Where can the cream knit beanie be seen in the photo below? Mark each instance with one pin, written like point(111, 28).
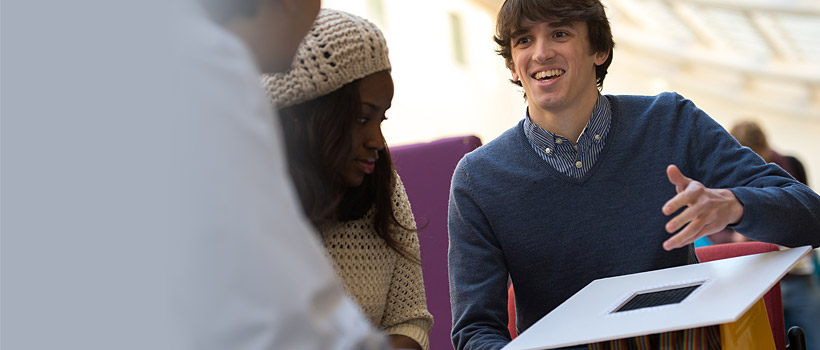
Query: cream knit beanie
point(339, 49)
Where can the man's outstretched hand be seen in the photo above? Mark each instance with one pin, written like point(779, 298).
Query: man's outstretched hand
point(708, 210)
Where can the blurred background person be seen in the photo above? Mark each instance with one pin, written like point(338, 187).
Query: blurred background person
point(750, 134)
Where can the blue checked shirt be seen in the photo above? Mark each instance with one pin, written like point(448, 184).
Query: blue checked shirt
point(558, 151)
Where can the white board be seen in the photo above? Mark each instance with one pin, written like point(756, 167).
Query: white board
point(727, 289)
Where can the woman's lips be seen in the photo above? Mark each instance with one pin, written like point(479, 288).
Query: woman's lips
point(368, 165)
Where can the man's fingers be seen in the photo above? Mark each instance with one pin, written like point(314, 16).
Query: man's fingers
point(676, 242)
point(706, 210)
point(685, 197)
point(692, 229)
point(672, 205)
point(680, 220)
point(677, 178)
point(688, 235)
point(696, 229)
point(681, 183)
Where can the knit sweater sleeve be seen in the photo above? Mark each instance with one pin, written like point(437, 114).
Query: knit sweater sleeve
point(777, 208)
point(406, 310)
point(478, 272)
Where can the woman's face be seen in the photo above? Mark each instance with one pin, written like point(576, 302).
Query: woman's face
point(376, 92)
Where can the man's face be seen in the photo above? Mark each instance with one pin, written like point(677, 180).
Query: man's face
point(283, 25)
point(555, 64)
point(302, 18)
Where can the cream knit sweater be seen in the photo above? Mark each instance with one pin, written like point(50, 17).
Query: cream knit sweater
point(387, 286)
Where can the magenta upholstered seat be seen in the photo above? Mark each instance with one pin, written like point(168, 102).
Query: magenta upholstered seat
point(426, 170)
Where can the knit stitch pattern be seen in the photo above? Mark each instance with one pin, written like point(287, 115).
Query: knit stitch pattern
point(339, 49)
point(387, 286)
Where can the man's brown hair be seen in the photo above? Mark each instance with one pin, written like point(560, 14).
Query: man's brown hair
point(513, 12)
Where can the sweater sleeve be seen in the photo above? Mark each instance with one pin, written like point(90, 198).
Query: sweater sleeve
point(478, 273)
point(406, 310)
point(777, 208)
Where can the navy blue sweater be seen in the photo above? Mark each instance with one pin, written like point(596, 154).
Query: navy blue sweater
point(511, 213)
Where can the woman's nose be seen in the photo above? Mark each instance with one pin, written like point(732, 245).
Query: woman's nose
point(375, 140)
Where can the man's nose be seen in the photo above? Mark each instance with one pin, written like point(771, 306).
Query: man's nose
point(543, 51)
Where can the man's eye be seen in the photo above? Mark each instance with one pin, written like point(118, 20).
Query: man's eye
point(363, 120)
point(561, 34)
point(521, 41)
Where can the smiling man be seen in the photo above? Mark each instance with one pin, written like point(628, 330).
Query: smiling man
point(588, 186)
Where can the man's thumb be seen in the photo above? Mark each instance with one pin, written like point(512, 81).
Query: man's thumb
point(676, 177)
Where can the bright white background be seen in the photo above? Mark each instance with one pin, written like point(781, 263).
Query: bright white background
point(439, 95)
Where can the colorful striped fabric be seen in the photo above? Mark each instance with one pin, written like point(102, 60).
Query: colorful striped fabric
point(705, 338)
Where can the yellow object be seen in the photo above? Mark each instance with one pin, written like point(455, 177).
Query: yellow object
point(750, 332)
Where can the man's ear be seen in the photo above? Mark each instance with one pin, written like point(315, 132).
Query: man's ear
point(514, 74)
point(600, 57)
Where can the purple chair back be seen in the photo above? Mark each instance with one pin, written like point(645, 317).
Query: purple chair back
point(426, 170)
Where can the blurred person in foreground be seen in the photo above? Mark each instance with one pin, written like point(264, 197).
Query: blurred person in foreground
point(147, 204)
point(589, 186)
point(332, 103)
point(261, 278)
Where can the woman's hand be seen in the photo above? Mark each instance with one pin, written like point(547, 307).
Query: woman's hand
point(403, 342)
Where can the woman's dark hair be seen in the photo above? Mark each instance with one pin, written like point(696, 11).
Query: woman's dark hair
point(318, 137)
point(589, 11)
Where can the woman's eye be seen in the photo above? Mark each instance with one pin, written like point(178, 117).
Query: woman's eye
point(363, 120)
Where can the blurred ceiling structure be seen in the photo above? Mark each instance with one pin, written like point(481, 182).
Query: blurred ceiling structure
point(759, 53)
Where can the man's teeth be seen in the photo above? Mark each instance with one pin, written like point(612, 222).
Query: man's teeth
point(552, 73)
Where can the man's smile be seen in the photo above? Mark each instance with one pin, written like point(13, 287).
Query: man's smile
point(548, 74)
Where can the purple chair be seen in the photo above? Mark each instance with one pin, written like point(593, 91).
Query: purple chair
point(426, 170)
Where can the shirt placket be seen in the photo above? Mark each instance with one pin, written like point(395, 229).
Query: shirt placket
point(566, 152)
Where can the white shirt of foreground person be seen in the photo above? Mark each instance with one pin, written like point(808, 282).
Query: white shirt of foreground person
point(257, 275)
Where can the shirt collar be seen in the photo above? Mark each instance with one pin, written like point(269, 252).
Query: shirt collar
point(598, 124)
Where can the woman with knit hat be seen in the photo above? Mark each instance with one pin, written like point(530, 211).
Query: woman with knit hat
point(331, 105)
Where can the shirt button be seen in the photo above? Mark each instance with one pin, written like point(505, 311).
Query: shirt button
point(548, 150)
point(597, 137)
point(578, 164)
point(559, 141)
